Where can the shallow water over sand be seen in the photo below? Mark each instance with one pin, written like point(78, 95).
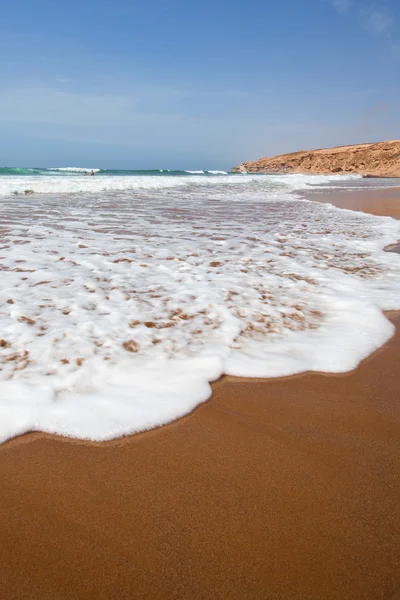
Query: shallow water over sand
point(118, 307)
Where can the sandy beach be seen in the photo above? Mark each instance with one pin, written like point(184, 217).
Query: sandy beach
point(274, 489)
point(383, 202)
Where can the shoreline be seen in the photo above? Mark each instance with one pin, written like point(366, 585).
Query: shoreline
point(384, 202)
point(236, 170)
point(278, 488)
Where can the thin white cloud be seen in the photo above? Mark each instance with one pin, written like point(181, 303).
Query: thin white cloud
point(52, 106)
point(377, 19)
point(342, 6)
point(395, 48)
point(135, 120)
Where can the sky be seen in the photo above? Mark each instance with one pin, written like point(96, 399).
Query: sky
point(176, 84)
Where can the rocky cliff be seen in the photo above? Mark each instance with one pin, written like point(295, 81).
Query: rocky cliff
point(381, 159)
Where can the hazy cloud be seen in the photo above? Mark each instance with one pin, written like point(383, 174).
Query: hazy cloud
point(342, 6)
point(395, 48)
point(52, 106)
point(377, 19)
point(138, 120)
point(379, 108)
point(374, 17)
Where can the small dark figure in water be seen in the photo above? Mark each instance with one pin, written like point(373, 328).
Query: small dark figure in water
point(92, 173)
point(85, 173)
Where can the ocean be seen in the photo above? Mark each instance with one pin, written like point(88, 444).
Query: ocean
point(123, 295)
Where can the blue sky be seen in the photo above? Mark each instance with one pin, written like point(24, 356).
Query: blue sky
point(174, 84)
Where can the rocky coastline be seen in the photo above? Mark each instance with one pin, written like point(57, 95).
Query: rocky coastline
point(380, 159)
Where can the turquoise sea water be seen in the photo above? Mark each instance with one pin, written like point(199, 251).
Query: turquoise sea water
point(68, 171)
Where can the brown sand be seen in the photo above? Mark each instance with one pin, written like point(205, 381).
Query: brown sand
point(385, 202)
point(279, 489)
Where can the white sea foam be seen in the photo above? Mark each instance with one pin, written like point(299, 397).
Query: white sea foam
point(107, 183)
point(72, 170)
point(118, 308)
point(207, 172)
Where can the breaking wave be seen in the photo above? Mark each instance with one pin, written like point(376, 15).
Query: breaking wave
point(70, 180)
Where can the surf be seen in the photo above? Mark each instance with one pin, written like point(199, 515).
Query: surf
point(120, 306)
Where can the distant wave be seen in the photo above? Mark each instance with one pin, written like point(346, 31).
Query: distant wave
point(18, 171)
point(206, 172)
point(72, 169)
point(46, 171)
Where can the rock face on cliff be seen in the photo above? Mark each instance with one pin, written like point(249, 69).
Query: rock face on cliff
point(381, 159)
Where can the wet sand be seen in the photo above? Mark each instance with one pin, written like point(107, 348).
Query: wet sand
point(278, 489)
point(384, 202)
